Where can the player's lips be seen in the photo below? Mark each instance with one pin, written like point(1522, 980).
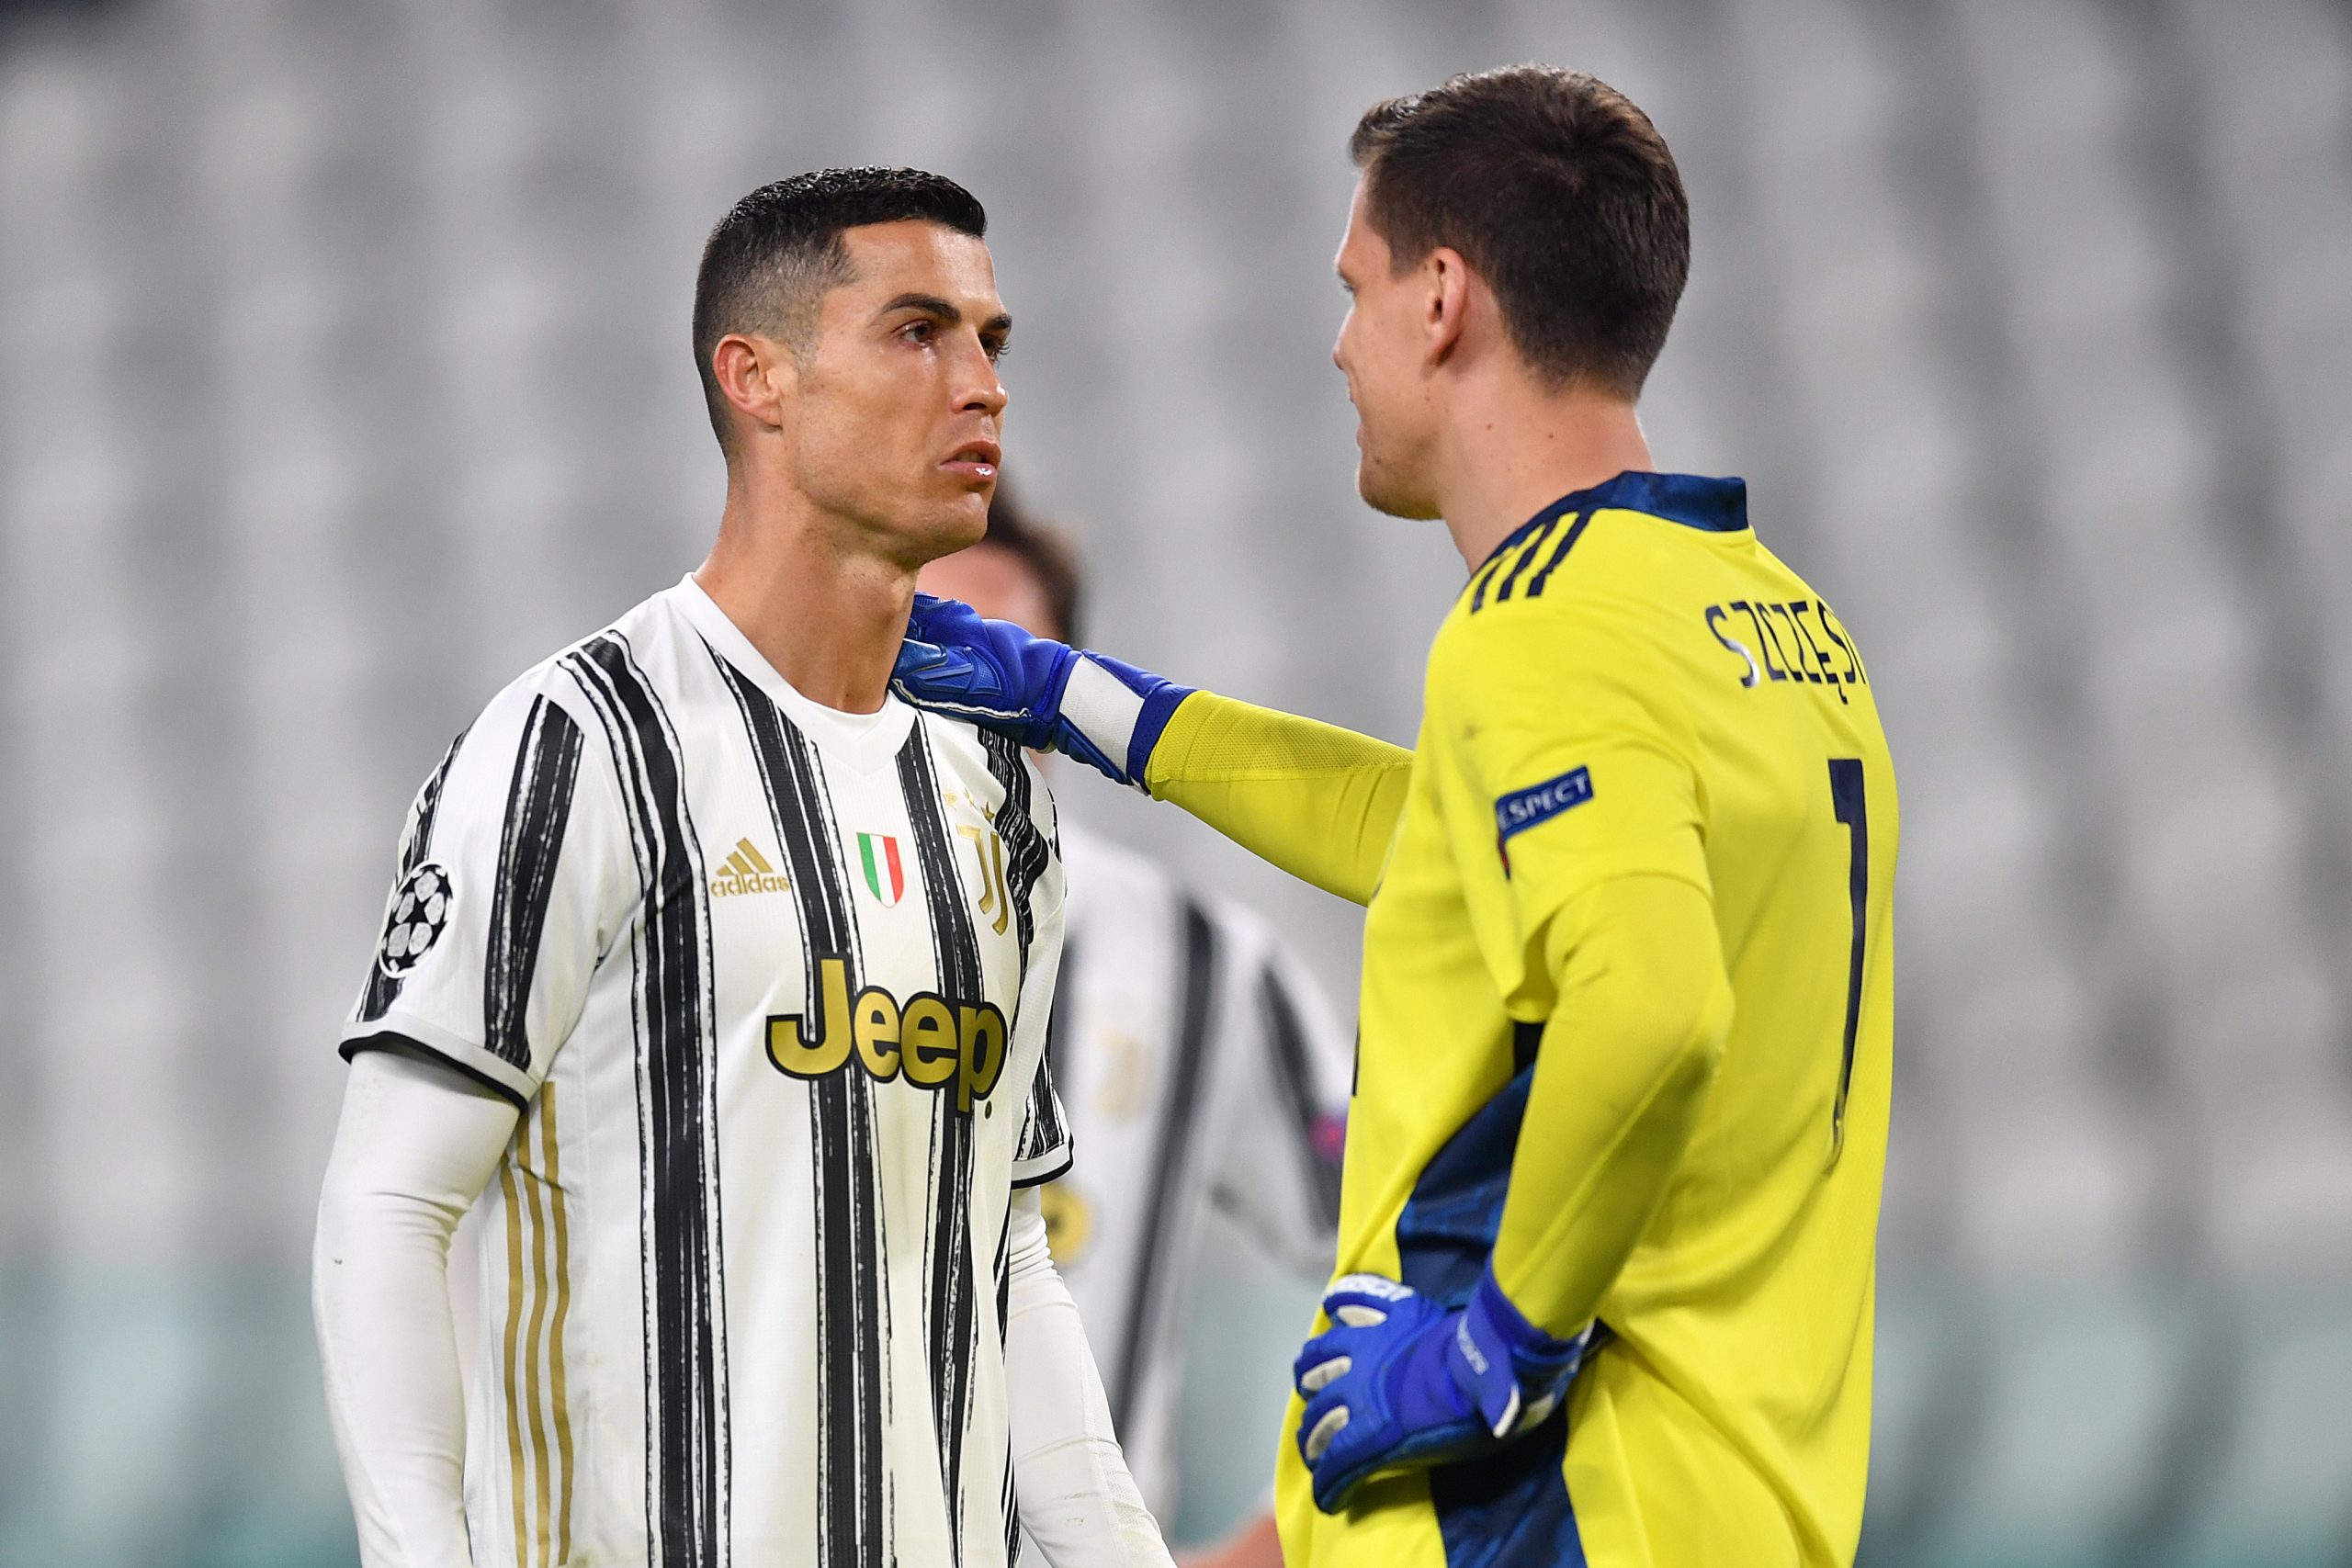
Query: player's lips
point(977, 459)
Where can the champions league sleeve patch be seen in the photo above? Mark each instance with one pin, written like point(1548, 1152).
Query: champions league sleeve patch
point(1525, 808)
point(420, 913)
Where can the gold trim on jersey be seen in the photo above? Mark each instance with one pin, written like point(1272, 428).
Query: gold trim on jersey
point(538, 1480)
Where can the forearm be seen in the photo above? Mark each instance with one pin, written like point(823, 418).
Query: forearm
point(1620, 1076)
point(411, 1151)
point(1077, 1500)
point(1321, 802)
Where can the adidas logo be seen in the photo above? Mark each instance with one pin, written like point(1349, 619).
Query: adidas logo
point(748, 871)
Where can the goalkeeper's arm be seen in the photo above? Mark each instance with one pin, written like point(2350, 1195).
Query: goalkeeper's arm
point(1318, 801)
point(1632, 1042)
point(1622, 1072)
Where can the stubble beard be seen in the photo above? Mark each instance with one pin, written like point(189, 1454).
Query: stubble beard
point(1387, 484)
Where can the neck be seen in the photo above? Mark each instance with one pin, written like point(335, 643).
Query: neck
point(1511, 449)
point(824, 609)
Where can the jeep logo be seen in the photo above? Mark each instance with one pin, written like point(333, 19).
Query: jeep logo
point(930, 1040)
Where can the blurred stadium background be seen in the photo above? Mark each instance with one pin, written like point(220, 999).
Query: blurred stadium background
point(343, 373)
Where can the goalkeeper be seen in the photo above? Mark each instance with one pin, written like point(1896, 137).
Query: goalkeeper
point(1613, 1160)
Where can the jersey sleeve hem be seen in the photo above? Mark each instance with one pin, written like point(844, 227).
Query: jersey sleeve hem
point(398, 1030)
point(1558, 891)
point(1045, 1168)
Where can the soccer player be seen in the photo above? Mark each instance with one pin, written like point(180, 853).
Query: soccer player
point(1613, 1159)
point(1199, 1063)
point(690, 975)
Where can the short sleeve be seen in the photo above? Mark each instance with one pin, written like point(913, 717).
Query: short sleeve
point(1044, 1149)
point(511, 880)
point(1565, 760)
point(1278, 1168)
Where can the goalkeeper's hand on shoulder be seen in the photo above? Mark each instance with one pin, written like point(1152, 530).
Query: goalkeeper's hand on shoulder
point(1046, 694)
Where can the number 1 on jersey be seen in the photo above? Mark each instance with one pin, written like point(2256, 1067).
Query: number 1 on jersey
point(1847, 797)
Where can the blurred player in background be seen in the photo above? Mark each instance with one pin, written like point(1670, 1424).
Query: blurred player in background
point(1608, 1227)
point(689, 964)
point(1198, 1063)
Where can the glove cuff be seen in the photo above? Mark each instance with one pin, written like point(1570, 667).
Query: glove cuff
point(1118, 712)
point(1513, 1372)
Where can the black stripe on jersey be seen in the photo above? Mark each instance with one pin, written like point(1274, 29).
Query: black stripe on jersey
point(1500, 558)
point(1004, 1278)
point(790, 776)
point(1043, 1130)
point(1295, 1073)
point(1198, 988)
point(1568, 542)
point(1009, 1504)
point(1024, 846)
point(851, 1500)
point(383, 988)
point(685, 1381)
point(951, 1290)
point(853, 1520)
point(538, 807)
point(1534, 546)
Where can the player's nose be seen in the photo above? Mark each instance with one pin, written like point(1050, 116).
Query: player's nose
point(984, 393)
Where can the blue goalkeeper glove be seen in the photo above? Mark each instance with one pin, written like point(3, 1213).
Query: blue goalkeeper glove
point(1400, 1380)
point(1046, 694)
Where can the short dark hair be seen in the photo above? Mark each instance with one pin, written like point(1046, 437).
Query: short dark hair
point(779, 248)
point(1045, 550)
point(1563, 196)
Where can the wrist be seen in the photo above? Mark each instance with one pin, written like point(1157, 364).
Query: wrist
point(1511, 1371)
point(1112, 714)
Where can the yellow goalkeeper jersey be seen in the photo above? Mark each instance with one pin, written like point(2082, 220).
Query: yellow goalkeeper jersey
point(1633, 685)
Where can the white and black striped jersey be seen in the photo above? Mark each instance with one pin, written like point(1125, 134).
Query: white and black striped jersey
point(1200, 1064)
point(770, 983)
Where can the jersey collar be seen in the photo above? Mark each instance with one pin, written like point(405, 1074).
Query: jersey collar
point(1710, 505)
point(870, 740)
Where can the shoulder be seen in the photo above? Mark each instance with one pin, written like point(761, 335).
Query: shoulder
point(1586, 564)
point(639, 653)
point(560, 708)
point(1570, 626)
point(1626, 537)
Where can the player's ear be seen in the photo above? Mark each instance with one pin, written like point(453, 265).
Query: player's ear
point(1445, 303)
point(756, 375)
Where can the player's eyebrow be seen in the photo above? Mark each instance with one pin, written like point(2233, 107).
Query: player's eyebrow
point(947, 313)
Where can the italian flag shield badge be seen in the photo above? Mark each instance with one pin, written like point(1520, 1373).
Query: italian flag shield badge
point(886, 877)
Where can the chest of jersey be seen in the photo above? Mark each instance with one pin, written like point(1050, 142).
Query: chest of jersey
point(865, 921)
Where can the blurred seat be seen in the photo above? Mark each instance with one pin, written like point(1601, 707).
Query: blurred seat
point(2071, 1413)
point(2268, 1490)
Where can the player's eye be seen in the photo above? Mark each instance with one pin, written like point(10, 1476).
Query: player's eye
point(996, 348)
point(919, 333)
